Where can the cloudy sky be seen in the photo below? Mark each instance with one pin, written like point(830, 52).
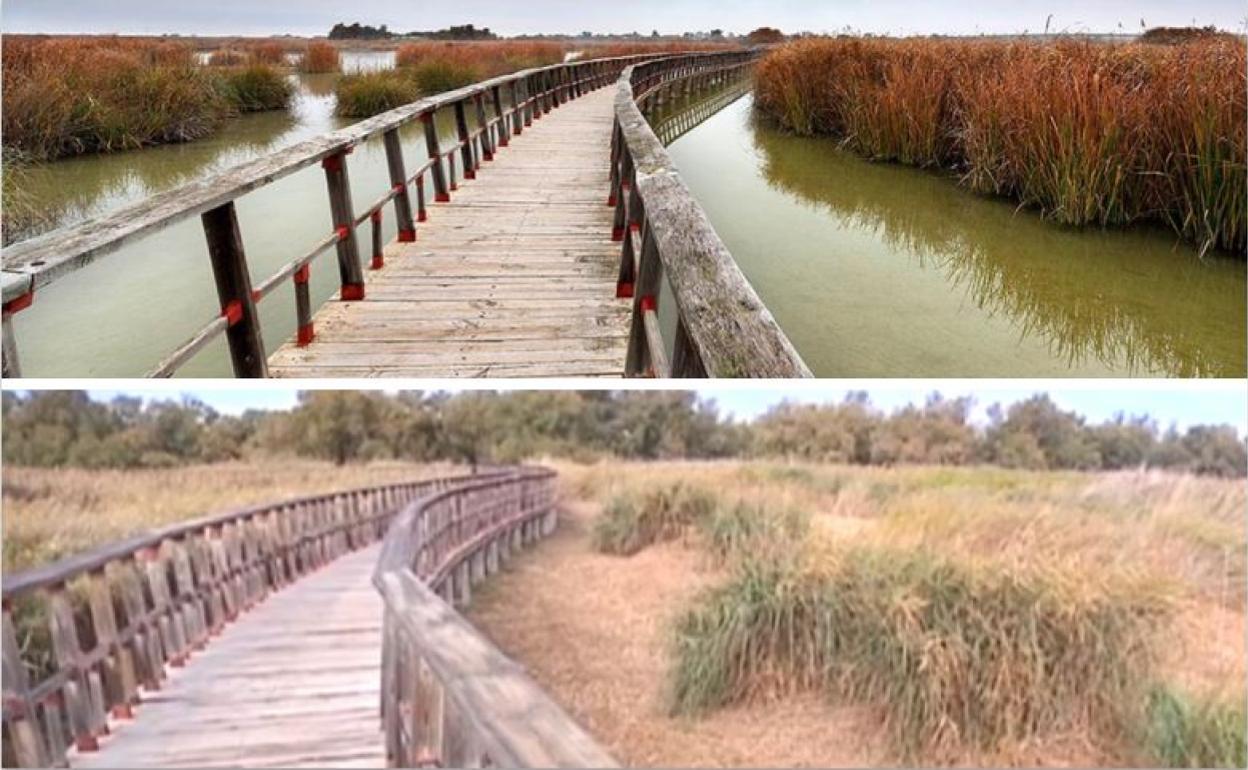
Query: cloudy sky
point(1182, 403)
point(311, 17)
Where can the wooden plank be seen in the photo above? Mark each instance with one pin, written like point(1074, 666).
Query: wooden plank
point(294, 681)
point(514, 277)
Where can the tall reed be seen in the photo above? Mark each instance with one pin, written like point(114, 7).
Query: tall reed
point(320, 57)
point(1088, 133)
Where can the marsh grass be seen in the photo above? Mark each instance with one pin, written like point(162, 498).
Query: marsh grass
point(65, 96)
point(1203, 732)
point(986, 614)
point(958, 654)
point(634, 520)
point(320, 57)
point(366, 94)
point(1090, 134)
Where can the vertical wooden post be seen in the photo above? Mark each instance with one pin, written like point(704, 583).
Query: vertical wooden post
point(645, 298)
point(10, 366)
point(305, 332)
point(504, 130)
point(441, 193)
point(487, 144)
point(465, 141)
point(339, 185)
point(24, 732)
point(104, 623)
point(398, 181)
point(421, 213)
point(229, 269)
point(379, 258)
point(68, 654)
point(517, 110)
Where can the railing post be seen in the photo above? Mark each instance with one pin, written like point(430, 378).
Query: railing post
point(645, 300)
point(24, 731)
point(339, 185)
point(229, 269)
point(487, 144)
point(441, 193)
point(398, 181)
point(10, 366)
point(504, 131)
point(517, 110)
point(85, 723)
point(465, 141)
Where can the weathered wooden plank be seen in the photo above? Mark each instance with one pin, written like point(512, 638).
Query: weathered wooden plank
point(515, 275)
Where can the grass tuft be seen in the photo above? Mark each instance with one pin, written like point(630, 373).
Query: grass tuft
point(1184, 732)
point(633, 520)
point(956, 654)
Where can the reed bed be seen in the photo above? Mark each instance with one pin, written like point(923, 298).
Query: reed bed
point(67, 96)
point(422, 69)
point(1088, 133)
point(320, 57)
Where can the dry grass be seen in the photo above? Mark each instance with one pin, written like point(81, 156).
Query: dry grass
point(1086, 132)
point(50, 514)
point(320, 57)
point(69, 96)
point(968, 559)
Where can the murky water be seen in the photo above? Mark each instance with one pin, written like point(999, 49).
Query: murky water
point(877, 270)
point(873, 270)
point(121, 315)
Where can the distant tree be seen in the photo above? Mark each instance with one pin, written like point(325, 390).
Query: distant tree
point(765, 36)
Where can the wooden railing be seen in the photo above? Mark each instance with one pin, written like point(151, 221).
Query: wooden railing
point(486, 116)
point(722, 328)
point(97, 627)
point(449, 697)
point(682, 112)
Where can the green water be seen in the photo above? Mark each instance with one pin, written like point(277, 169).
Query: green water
point(872, 270)
point(878, 270)
point(121, 315)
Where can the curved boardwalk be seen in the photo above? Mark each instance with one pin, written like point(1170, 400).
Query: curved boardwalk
point(294, 682)
point(515, 277)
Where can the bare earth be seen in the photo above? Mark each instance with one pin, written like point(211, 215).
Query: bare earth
point(593, 630)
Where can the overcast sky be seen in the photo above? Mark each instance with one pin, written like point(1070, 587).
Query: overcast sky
point(1182, 403)
point(899, 17)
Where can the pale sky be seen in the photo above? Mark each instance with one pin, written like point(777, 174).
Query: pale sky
point(897, 17)
point(1182, 403)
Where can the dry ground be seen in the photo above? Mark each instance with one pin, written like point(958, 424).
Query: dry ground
point(593, 630)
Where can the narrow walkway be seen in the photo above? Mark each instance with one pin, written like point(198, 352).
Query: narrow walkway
point(515, 277)
point(295, 682)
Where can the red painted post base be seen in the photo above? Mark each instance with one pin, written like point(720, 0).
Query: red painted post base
point(86, 743)
point(611, 201)
point(304, 336)
point(122, 711)
point(352, 292)
point(407, 236)
point(623, 290)
point(423, 216)
point(378, 262)
point(617, 233)
point(441, 198)
point(471, 174)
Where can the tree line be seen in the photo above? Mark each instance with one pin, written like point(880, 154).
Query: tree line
point(68, 429)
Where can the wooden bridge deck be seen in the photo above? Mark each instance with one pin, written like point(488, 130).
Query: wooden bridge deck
point(515, 276)
point(295, 682)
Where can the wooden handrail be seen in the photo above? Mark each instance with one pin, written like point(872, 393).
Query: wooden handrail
point(31, 265)
point(450, 698)
point(722, 327)
point(154, 598)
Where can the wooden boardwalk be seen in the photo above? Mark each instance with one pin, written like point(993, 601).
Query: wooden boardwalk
point(514, 277)
point(295, 682)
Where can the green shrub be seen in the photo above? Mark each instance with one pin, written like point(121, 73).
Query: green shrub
point(632, 521)
point(371, 93)
point(258, 88)
point(1196, 733)
point(434, 76)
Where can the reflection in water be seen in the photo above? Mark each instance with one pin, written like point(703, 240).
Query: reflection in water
point(122, 314)
point(882, 270)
